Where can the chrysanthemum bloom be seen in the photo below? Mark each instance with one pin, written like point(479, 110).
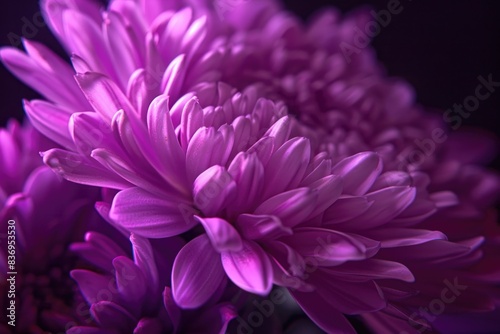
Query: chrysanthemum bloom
point(48, 214)
point(350, 109)
point(351, 106)
point(130, 292)
point(267, 206)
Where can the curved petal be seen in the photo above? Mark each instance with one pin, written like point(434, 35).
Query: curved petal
point(213, 190)
point(250, 268)
point(197, 273)
point(222, 234)
point(149, 216)
point(359, 172)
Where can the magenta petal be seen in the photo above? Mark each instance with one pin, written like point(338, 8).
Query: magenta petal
point(112, 316)
point(345, 209)
point(144, 259)
point(123, 167)
point(213, 190)
point(51, 120)
point(287, 166)
point(149, 326)
point(174, 312)
point(222, 234)
point(192, 120)
point(250, 268)
point(207, 148)
point(174, 77)
point(329, 189)
point(92, 285)
point(121, 47)
point(103, 95)
point(291, 207)
point(373, 269)
point(359, 172)
point(84, 38)
point(248, 173)
point(99, 250)
point(197, 273)
point(171, 158)
point(38, 78)
point(400, 237)
point(328, 247)
point(149, 216)
point(387, 204)
point(130, 282)
point(75, 168)
point(256, 227)
point(53, 64)
point(280, 131)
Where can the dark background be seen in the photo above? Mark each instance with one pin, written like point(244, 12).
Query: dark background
point(440, 47)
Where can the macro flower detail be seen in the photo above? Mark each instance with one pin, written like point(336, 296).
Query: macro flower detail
point(48, 214)
point(240, 151)
point(129, 292)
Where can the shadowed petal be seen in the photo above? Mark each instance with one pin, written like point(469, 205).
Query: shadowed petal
point(197, 273)
point(149, 216)
point(250, 268)
point(359, 172)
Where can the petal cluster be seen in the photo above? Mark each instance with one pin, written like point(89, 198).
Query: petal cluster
point(238, 148)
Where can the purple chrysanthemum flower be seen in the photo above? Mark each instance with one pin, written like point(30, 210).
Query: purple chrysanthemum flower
point(129, 292)
point(48, 213)
point(272, 189)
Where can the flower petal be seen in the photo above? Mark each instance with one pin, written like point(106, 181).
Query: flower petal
point(75, 168)
point(292, 207)
point(103, 94)
point(287, 166)
point(213, 190)
point(223, 236)
point(197, 273)
point(256, 227)
point(359, 172)
point(250, 268)
point(148, 215)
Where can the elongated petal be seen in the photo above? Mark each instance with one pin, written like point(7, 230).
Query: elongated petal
point(250, 268)
point(103, 94)
point(223, 236)
point(258, 227)
point(399, 237)
point(84, 38)
point(171, 158)
point(373, 269)
point(38, 78)
point(94, 287)
point(213, 190)
point(77, 169)
point(328, 247)
point(387, 204)
point(287, 166)
point(359, 172)
point(148, 215)
point(197, 273)
point(113, 316)
point(291, 207)
point(207, 148)
point(50, 120)
point(130, 282)
point(248, 173)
